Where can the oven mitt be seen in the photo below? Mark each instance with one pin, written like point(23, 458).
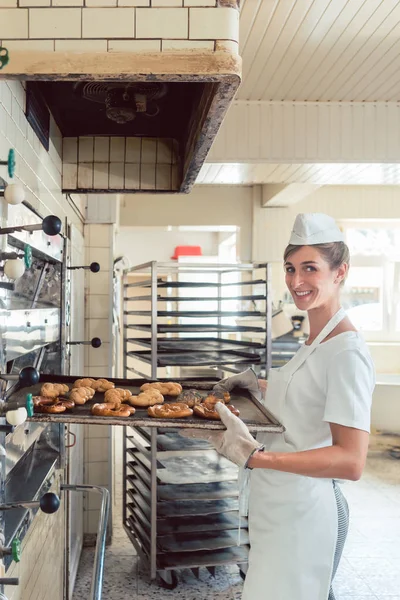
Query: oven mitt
point(235, 443)
point(246, 380)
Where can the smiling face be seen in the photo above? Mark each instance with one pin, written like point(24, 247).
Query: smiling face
point(310, 279)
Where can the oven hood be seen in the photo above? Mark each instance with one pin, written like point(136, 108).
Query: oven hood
point(134, 122)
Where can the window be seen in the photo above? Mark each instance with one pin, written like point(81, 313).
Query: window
point(371, 295)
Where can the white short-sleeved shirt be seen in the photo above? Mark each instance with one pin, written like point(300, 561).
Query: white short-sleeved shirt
point(334, 385)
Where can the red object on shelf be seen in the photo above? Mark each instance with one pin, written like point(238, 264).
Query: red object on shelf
point(186, 251)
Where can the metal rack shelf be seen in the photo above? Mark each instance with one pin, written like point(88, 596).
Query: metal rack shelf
point(181, 499)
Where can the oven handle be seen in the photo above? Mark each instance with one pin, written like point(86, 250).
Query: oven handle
point(98, 566)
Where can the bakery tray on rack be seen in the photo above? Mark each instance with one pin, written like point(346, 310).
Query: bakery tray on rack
point(205, 328)
point(183, 344)
point(253, 413)
point(196, 314)
point(192, 284)
point(195, 298)
point(184, 359)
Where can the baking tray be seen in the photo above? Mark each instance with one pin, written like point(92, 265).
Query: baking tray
point(195, 314)
point(183, 344)
point(191, 284)
point(198, 328)
point(253, 413)
point(194, 298)
point(200, 359)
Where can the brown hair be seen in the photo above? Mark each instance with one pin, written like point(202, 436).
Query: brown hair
point(335, 253)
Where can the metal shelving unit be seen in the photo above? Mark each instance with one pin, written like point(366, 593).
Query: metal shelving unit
point(221, 342)
point(181, 506)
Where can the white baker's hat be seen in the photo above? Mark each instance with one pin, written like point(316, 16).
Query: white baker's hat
point(315, 228)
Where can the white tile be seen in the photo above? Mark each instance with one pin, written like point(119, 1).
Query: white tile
point(60, 23)
point(199, 2)
point(99, 283)
point(214, 24)
point(97, 431)
point(108, 22)
point(133, 2)
point(100, 176)
point(99, 356)
point(133, 150)
point(164, 151)
point(81, 45)
point(116, 178)
point(134, 45)
point(85, 149)
point(101, 3)
point(179, 45)
point(97, 473)
point(9, 3)
point(163, 3)
point(176, 179)
point(132, 176)
point(148, 177)
point(34, 3)
point(117, 149)
point(162, 23)
point(149, 150)
point(13, 23)
point(99, 305)
point(163, 177)
point(101, 149)
point(100, 236)
point(99, 328)
point(70, 177)
point(67, 2)
point(70, 150)
point(85, 176)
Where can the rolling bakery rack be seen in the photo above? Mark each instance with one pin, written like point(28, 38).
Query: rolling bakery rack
point(181, 499)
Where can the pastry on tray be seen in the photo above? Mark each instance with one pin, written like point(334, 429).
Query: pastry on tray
point(81, 395)
point(42, 404)
point(190, 397)
point(108, 409)
point(98, 385)
point(53, 390)
point(207, 411)
point(145, 399)
point(217, 396)
point(165, 388)
point(172, 410)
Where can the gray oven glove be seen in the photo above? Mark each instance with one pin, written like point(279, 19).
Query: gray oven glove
point(246, 380)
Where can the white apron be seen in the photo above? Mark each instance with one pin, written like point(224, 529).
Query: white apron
point(293, 521)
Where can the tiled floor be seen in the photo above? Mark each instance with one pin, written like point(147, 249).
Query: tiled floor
point(370, 568)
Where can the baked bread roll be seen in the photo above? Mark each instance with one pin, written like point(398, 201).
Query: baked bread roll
point(117, 393)
point(81, 395)
point(53, 390)
point(172, 410)
point(145, 399)
point(99, 385)
point(107, 409)
point(190, 397)
point(165, 388)
point(207, 411)
point(217, 396)
point(48, 405)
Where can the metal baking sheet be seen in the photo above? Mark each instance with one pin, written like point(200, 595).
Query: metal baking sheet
point(194, 298)
point(252, 412)
point(198, 328)
point(187, 560)
point(183, 344)
point(195, 314)
point(193, 542)
point(218, 522)
point(191, 284)
point(186, 359)
point(218, 490)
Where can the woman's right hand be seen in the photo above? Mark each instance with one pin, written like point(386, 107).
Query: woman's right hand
point(262, 384)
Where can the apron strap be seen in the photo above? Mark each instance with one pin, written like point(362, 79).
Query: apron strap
point(302, 356)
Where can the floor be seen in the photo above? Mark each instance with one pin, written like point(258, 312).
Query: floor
point(370, 568)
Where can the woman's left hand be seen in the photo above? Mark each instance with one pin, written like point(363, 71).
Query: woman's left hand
point(235, 443)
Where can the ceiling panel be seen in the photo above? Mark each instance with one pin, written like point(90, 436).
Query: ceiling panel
point(320, 174)
point(320, 50)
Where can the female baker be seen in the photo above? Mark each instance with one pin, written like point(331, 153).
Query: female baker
point(298, 516)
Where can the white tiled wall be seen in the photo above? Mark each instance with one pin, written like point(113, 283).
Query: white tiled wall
point(41, 570)
point(67, 23)
point(99, 244)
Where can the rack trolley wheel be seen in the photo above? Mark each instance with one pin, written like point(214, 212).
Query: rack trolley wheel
point(167, 579)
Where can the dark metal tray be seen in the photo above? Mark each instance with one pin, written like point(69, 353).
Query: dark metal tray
point(195, 314)
point(185, 359)
point(180, 344)
point(198, 328)
point(191, 284)
point(253, 413)
point(194, 298)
